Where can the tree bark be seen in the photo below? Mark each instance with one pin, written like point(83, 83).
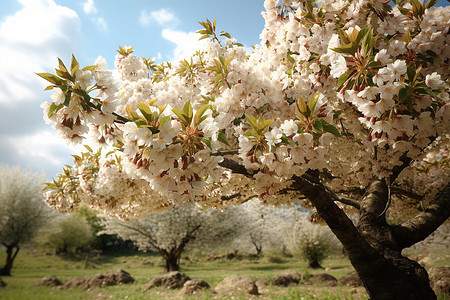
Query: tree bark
point(172, 259)
point(10, 256)
point(372, 247)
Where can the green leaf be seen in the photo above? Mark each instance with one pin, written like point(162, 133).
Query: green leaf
point(252, 121)
point(222, 138)
point(51, 78)
point(374, 64)
point(88, 148)
point(226, 34)
point(67, 98)
point(343, 78)
point(331, 129)
point(313, 101)
point(417, 8)
point(146, 112)
point(89, 68)
point(264, 126)
point(346, 49)
point(62, 67)
point(318, 126)
point(83, 94)
point(74, 66)
point(181, 115)
point(362, 33)
point(431, 3)
point(301, 105)
point(207, 142)
point(411, 73)
point(198, 118)
point(164, 119)
point(188, 110)
point(54, 109)
point(402, 94)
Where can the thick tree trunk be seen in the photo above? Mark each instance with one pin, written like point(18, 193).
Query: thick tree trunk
point(372, 246)
point(172, 260)
point(11, 253)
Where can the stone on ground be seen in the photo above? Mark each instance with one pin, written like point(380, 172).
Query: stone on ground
point(100, 280)
point(286, 279)
point(50, 281)
point(171, 280)
point(194, 286)
point(237, 284)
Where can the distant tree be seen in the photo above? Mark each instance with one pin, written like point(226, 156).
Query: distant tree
point(103, 242)
point(169, 232)
point(289, 229)
point(73, 233)
point(23, 211)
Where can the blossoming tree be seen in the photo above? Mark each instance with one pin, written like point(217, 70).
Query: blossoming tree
point(172, 231)
point(344, 104)
point(23, 211)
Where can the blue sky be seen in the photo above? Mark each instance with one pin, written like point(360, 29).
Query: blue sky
point(34, 32)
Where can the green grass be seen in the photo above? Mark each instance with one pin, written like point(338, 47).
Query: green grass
point(30, 267)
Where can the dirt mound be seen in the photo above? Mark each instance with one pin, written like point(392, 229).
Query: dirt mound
point(170, 280)
point(50, 281)
point(286, 279)
point(351, 279)
point(192, 287)
point(237, 284)
point(100, 280)
point(324, 278)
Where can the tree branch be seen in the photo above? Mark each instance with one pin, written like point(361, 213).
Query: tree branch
point(234, 166)
point(399, 191)
point(336, 219)
point(422, 225)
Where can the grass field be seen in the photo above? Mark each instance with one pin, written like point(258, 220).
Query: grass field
point(30, 267)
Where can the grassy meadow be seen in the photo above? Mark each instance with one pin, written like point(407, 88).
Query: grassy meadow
point(31, 266)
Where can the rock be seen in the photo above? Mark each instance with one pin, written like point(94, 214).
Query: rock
point(237, 284)
point(170, 280)
point(325, 279)
point(351, 279)
point(100, 280)
point(286, 279)
point(192, 287)
point(262, 285)
point(50, 281)
point(2, 283)
point(440, 280)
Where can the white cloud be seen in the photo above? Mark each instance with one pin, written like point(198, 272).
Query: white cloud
point(186, 43)
point(45, 145)
point(30, 41)
point(89, 7)
point(101, 23)
point(163, 17)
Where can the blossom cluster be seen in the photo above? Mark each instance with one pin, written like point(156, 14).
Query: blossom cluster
point(349, 87)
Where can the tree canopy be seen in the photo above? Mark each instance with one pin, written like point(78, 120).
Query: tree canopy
point(342, 102)
point(23, 210)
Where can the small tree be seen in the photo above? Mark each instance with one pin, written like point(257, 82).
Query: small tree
point(74, 233)
point(169, 232)
point(23, 211)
